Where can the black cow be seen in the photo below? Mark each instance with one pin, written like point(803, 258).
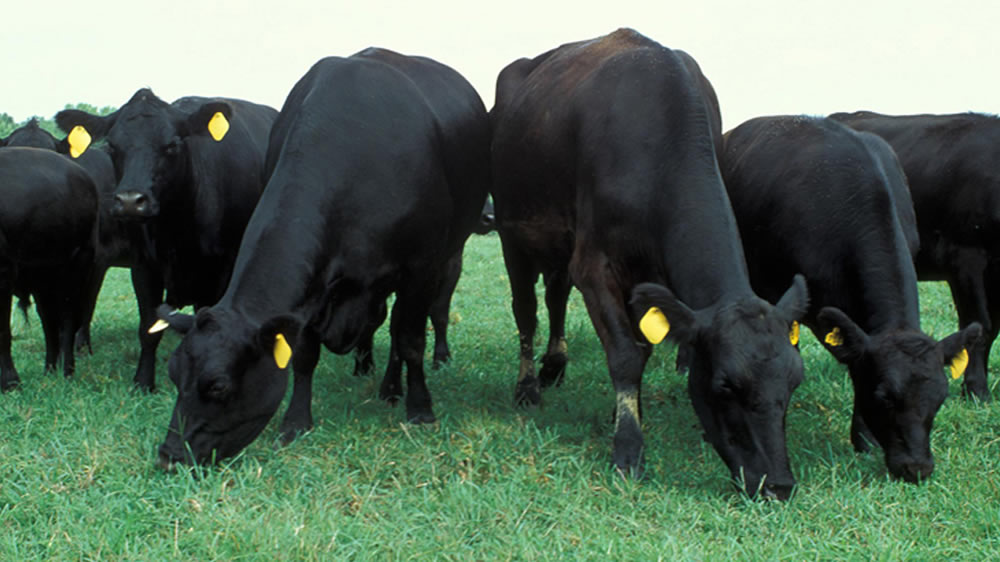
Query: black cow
point(194, 195)
point(114, 246)
point(379, 169)
point(811, 196)
point(952, 163)
point(48, 232)
point(605, 176)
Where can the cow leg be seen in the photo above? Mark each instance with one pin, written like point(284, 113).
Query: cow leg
point(48, 313)
point(441, 307)
point(969, 294)
point(605, 300)
point(67, 331)
point(364, 362)
point(298, 417)
point(391, 389)
point(407, 329)
point(557, 288)
point(525, 305)
point(9, 379)
point(91, 291)
point(148, 285)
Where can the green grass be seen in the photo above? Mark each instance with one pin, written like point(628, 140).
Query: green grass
point(488, 481)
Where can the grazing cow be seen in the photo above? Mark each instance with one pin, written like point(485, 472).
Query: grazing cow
point(605, 176)
point(48, 232)
point(114, 246)
point(951, 164)
point(191, 172)
point(379, 167)
point(811, 196)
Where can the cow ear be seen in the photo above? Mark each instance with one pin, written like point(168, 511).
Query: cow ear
point(954, 348)
point(211, 118)
point(795, 302)
point(658, 313)
point(277, 337)
point(83, 128)
point(169, 317)
point(845, 339)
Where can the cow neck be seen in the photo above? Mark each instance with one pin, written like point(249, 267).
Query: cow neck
point(702, 254)
point(274, 270)
point(884, 291)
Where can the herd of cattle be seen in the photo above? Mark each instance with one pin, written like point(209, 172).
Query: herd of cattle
point(609, 172)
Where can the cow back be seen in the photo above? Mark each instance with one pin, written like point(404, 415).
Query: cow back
point(812, 197)
point(946, 160)
point(363, 189)
point(626, 159)
point(50, 208)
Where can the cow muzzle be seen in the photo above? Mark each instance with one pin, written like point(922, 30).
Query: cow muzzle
point(134, 205)
point(168, 461)
point(913, 472)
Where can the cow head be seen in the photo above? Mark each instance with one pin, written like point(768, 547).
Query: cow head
point(743, 368)
point(231, 376)
point(31, 135)
point(149, 142)
point(899, 386)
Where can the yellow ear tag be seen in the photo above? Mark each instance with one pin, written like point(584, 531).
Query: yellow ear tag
point(282, 352)
point(218, 126)
point(79, 139)
point(793, 334)
point(654, 325)
point(834, 338)
point(959, 363)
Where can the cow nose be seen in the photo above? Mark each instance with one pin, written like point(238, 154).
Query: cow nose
point(132, 204)
point(165, 463)
point(777, 491)
point(166, 460)
point(915, 472)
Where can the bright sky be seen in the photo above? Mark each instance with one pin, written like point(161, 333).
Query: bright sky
point(763, 57)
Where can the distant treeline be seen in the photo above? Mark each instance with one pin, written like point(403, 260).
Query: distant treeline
point(8, 125)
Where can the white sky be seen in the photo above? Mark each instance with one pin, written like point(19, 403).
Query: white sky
point(763, 57)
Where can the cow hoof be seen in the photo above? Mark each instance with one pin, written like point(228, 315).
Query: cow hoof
point(976, 392)
point(420, 417)
point(288, 434)
point(391, 396)
point(528, 392)
point(633, 471)
point(9, 385)
point(144, 387)
point(553, 370)
point(364, 366)
point(82, 345)
point(440, 361)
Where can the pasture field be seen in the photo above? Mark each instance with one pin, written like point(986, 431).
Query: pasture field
point(489, 481)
